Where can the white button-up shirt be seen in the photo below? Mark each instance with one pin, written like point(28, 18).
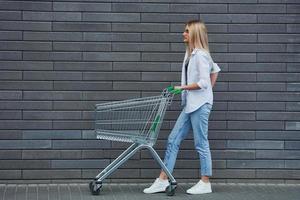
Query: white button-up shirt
point(199, 68)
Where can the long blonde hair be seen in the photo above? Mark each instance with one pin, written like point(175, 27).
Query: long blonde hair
point(197, 36)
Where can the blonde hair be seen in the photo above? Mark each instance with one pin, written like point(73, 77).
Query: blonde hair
point(197, 36)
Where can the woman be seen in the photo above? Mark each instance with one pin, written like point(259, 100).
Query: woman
point(199, 74)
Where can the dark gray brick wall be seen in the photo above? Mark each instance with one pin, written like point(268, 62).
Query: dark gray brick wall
point(58, 58)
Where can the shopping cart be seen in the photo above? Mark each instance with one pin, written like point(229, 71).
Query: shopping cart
point(136, 121)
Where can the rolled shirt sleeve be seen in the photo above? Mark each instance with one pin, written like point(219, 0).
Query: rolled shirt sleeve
point(215, 68)
point(203, 67)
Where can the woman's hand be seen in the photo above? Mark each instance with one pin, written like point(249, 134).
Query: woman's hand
point(178, 87)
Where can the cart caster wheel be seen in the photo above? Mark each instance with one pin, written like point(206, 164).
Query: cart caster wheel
point(170, 190)
point(95, 187)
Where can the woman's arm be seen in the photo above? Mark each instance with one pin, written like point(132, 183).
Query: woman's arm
point(213, 78)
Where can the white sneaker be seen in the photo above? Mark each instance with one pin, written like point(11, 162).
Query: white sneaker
point(200, 188)
point(159, 185)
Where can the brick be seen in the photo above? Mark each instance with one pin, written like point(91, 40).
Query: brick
point(140, 7)
point(83, 7)
point(289, 116)
point(233, 154)
point(278, 18)
point(140, 27)
point(235, 96)
point(10, 35)
point(108, 56)
point(73, 124)
point(249, 77)
point(10, 15)
point(26, 85)
point(74, 105)
point(234, 57)
point(257, 48)
point(81, 46)
point(265, 8)
point(80, 144)
point(118, 37)
point(293, 48)
point(212, 47)
point(229, 18)
point(233, 115)
point(81, 26)
point(20, 45)
point(158, 37)
point(292, 145)
point(25, 105)
point(85, 85)
point(293, 28)
point(10, 55)
point(83, 66)
point(58, 56)
point(237, 173)
point(272, 106)
point(110, 95)
point(74, 164)
point(51, 174)
point(22, 124)
point(51, 16)
point(279, 174)
point(52, 95)
point(25, 144)
point(198, 8)
point(145, 86)
point(25, 26)
point(292, 164)
point(278, 57)
point(277, 135)
point(257, 67)
point(140, 47)
point(47, 115)
point(111, 17)
point(293, 87)
point(257, 28)
point(157, 17)
point(51, 154)
point(9, 114)
point(232, 134)
point(293, 106)
point(52, 36)
point(44, 75)
point(10, 174)
point(292, 125)
point(17, 5)
point(257, 87)
point(256, 125)
point(26, 65)
point(112, 76)
point(253, 164)
point(278, 38)
point(11, 75)
point(293, 67)
point(280, 77)
point(10, 154)
point(271, 96)
point(161, 76)
point(277, 154)
point(162, 57)
point(293, 9)
point(24, 164)
point(119, 173)
point(254, 144)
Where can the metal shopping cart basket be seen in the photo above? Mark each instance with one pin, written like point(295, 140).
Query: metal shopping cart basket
point(136, 121)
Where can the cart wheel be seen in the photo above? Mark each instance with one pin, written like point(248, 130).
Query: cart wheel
point(95, 187)
point(170, 190)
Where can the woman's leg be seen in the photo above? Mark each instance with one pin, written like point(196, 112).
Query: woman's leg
point(199, 120)
point(178, 133)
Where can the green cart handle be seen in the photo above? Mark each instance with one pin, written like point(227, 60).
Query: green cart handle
point(174, 91)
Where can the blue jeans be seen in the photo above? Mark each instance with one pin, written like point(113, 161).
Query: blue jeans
point(198, 120)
